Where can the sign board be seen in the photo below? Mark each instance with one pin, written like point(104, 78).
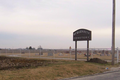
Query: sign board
point(81, 35)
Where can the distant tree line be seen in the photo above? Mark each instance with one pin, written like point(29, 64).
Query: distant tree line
point(30, 47)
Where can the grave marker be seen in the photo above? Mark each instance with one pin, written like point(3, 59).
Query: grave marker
point(50, 53)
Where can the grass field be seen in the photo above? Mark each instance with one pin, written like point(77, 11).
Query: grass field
point(57, 69)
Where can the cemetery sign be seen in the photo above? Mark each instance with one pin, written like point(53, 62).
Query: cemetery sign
point(81, 35)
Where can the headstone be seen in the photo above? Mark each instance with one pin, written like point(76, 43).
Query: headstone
point(60, 54)
point(41, 53)
point(79, 53)
point(66, 54)
point(36, 54)
point(108, 54)
point(22, 52)
point(72, 53)
point(55, 51)
point(102, 55)
point(103, 52)
point(85, 54)
point(50, 54)
point(99, 51)
point(94, 52)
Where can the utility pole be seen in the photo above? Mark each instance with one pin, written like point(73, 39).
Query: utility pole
point(113, 33)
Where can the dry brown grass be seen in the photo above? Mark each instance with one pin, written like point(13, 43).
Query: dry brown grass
point(61, 69)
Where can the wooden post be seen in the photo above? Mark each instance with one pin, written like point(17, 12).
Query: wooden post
point(113, 33)
point(76, 50)
point(87, 50)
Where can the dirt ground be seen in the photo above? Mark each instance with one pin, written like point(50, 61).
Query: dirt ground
point(16, 63)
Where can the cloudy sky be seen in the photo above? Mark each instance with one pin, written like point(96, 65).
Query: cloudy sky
point(51, 23)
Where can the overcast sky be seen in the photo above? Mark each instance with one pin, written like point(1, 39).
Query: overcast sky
point(51, 23)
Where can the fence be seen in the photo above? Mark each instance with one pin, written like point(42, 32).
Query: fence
point(102, 53)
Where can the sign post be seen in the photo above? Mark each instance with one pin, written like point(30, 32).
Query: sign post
point(76, 50)
point(87, 50)
point(82, 35)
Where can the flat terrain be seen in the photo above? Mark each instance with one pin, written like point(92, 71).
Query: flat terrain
point(41, 69)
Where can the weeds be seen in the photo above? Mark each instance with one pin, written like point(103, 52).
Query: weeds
point(47, 70)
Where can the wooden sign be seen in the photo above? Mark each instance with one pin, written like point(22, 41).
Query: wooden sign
point(81, 35)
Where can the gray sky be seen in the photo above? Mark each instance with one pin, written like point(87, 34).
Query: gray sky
point(51, 23)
